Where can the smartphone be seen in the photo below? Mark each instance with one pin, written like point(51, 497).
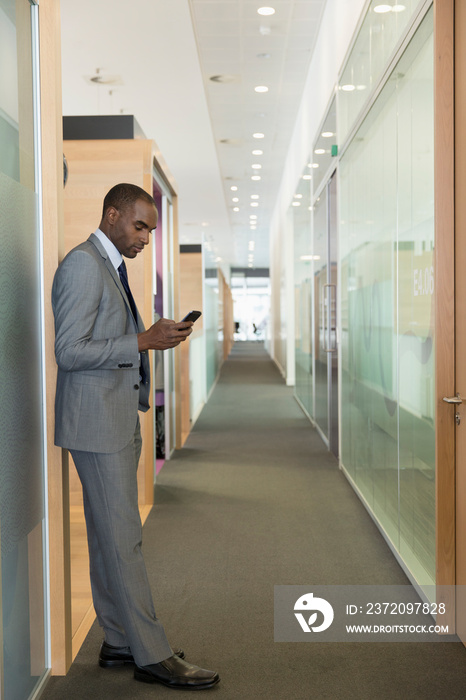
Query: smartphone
point(192, 316)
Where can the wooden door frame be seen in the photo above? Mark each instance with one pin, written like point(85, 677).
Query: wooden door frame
point(444, 119)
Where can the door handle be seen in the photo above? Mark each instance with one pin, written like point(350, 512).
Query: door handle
point(453, 399)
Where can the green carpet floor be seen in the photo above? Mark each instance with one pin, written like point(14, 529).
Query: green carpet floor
point(255, 500)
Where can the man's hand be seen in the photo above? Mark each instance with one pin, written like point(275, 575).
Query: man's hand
point(164, 334)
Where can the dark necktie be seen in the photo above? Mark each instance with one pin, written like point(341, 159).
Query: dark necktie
point(124, 281)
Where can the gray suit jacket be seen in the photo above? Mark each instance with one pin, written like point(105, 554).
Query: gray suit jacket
point(98, 389)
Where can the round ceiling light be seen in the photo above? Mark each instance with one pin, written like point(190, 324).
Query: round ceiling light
point(266, 11)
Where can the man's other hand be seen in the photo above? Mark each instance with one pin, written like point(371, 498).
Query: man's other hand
point(164, 334)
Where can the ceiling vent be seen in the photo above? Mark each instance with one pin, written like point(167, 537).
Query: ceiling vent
point(232, 142)
point(103, 78)
point(225, 78)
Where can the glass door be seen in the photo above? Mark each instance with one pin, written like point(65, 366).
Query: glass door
point(325, 314)
point(164, 385)
point(23, 613)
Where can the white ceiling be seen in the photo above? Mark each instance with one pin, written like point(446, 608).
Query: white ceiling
point(163, 54)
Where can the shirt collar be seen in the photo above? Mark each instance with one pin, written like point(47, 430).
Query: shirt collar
point(112, 251)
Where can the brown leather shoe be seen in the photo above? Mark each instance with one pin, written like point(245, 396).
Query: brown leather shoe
point(177, 673)
point(119, 656)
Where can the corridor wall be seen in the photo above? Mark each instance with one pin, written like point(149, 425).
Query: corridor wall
point(380, 209)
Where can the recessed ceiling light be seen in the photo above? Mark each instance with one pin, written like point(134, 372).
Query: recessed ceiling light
point(327, 134)
point(256, 166)
point(315, 165)
point(348, 88)
point(254, 204)
point(266, 11)
point(257, 152)
point(235, 208)
point(381, 9)
point(233, 188)
point(235, 199)
point(307, 177)
point(251, 245)
point(261, 88)
point(319, 151)
point(254, 196)
point(258, 135)
point(253, 216)
point(298, 196)
point(296, 204)
point(256, 177)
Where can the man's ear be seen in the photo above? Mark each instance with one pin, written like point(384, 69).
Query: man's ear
point(112, 215)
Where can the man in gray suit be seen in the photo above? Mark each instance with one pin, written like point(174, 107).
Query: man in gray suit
point(101, 349)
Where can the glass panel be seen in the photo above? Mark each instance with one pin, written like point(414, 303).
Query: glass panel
point(416, 303)
point(386, 244)
point(382, 28)
point(332, 313)
point(303, 294)
point(368, 239)
point(158, 383)
point(169, 300)
point(320, 255)
point(325, 147)
point(21, 439)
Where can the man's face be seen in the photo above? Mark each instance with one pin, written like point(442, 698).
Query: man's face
point(129, 229)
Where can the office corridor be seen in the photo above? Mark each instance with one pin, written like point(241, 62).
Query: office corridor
point(253, 500)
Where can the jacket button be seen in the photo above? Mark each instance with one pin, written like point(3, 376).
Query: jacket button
point(136, 386)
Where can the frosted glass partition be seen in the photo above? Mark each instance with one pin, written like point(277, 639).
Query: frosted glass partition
point(303, 293)
point(22, 513)
point(322, 358)
point(196, 376)
point(387, 286)
point(380, 32)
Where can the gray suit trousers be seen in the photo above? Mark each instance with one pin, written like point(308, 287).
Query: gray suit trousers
point(120, 587)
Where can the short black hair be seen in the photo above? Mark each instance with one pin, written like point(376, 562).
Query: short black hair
point(122, 196)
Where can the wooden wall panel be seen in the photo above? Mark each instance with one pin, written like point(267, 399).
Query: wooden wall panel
point(94, 167)
point(191, 297)
point(444, 297)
